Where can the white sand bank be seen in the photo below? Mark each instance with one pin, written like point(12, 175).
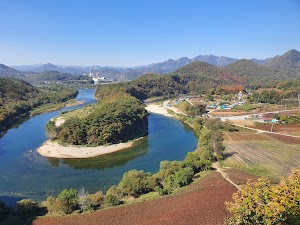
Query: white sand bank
point(55, 150)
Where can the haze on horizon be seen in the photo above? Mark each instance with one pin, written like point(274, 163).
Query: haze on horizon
point(134, 33)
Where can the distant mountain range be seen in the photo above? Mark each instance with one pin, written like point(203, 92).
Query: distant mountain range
point(289, 62)
point(8, 71)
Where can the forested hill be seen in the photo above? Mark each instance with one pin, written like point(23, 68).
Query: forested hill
point(118, 117)
point(196, 77)
point(289, 61)
point(18, 98)
point(252, 73)
point(8, 71)
point(15, 90)
point(202, 72)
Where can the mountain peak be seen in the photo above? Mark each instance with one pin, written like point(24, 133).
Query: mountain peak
point(293, 54)
point(289, 61)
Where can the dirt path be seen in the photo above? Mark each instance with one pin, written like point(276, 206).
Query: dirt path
point(217, 167)
point(268, 132)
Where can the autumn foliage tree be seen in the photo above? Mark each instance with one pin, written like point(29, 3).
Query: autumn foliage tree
point(263, 203)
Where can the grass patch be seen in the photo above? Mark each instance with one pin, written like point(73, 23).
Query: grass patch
point(246, 130)
point(47, 108)
point(53, 107)
point(246, 107)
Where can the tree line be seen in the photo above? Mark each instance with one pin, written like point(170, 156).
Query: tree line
point(18, 98)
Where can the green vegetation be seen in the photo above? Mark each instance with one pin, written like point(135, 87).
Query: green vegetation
point(8, 71)
point(288, 119)
point(56, 78)
point(246, 107)
point(116, 118)
point(136, 183)
point(67, 200)
point(292, 85)
point(272, 96)
point(27, 208)
point(263, 203)
point(23, 212)
point(192, 110)
point(18, 98)
point(197, 77)
point(254, 75)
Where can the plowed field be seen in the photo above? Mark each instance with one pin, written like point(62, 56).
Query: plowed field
point(292, 129)
point(263, 154)
point(201, 203)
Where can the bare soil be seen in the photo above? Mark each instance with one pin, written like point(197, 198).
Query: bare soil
point(201, 203)
point(240, 177)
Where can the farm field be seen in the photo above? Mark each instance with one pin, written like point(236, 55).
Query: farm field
point(229, 113)
point(200, 203)
point(292, 129)
point(261, 154)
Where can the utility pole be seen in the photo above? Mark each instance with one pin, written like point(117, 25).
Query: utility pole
point(299, 99)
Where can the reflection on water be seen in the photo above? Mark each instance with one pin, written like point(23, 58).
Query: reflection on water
point(25, 173)
point(113, 160)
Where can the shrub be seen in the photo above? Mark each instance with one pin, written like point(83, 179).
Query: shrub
point(51, 204)
point(112, 200)
point(113, 196)
point(67, 200)
point(136, 183)
point(26, 208)
point(115, 190)
point(194, 161)
point(167, 168)
point(96, 199)
point(262, 203)
point(181, 178)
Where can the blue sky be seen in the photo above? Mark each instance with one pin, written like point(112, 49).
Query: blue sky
point(139, 32)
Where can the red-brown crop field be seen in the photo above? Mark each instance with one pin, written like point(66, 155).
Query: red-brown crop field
point(292, 129)
point(201, 203)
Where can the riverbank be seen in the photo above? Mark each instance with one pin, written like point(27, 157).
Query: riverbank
point(154, 108)
point(53, 149)
point(51, 107)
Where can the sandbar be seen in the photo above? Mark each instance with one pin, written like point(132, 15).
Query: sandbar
point(154, 108)
point(55, 150)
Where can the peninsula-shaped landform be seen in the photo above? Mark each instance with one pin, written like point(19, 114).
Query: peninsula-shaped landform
point(98, 129)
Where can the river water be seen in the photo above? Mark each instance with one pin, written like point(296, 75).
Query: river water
point(26, 174)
